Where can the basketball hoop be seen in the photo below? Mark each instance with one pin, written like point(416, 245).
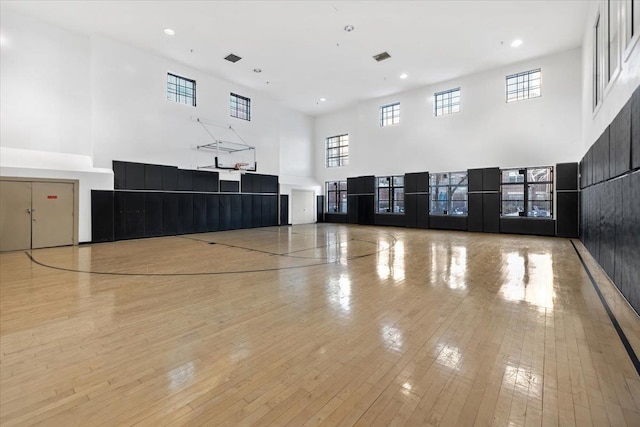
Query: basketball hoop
point(241, 166)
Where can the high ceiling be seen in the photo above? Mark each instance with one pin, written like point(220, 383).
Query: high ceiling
point(304, 52)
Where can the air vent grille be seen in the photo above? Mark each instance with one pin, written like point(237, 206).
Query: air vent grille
point(232, 58)
point(381, 56)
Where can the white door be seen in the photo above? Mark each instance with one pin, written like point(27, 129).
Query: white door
point(303, 207)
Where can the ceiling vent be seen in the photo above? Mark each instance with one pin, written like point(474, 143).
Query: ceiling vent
point(232, 58)
point(381, 56)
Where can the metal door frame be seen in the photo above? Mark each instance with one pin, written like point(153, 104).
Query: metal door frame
point(76, 196)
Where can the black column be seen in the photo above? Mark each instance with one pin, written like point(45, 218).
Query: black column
point(567, 199)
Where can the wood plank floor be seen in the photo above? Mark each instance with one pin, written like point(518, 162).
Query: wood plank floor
point(314, 325)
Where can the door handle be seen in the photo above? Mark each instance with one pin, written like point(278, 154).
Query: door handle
point(29, 210)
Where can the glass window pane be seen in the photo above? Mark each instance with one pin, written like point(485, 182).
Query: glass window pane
point(398, 181)
point(539, 174)
point(539, 192)
point(458, 207)
point(512, 192)
point(512, 208)
point(512, 175)
point(458, 178)
point(539, 209)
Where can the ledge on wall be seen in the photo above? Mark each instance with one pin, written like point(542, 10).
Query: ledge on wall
point(18, 158)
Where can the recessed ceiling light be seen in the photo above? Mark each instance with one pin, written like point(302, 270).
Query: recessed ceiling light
point(323, 99)
point(349, 28)
point(404, 75)
point(516, 43)
point(257, 70)
point(169, 32)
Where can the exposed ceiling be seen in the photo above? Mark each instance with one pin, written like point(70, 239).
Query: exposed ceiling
point(304, 52)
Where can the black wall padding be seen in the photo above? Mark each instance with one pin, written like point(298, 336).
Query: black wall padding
point(475, 212)
point(229, 186)
point(273, 210)
point(101, 216)
point(199, 180)
point(491, 212)
point(320, 208)
point(635, 129)
point(134, 216)
point(235, 220)
point(352, 200)
point(119, 215)
point(411, 209)
point(199, 213)
point(213, 182)
point(256, 210)
point(607, 229)
point(153, 214)
point(224, 212)
point(474, 177)
point(119, 175)
point(169, 178)
point(153, 177)
point(588, 166)
point(566, 176)
point(335, 218)
point(599, 157)
point(491, 179)
point(619, 229)
point(264, 220)
point(423, 182)
point(410, 183)
point(246, 183)
point(538, 227)
point(389, 220)
point(185, 180)
point(448, 222)
point(583, 173)
point(247, 210)
point(185, 213)
point(169, 214)
point(284, 209)
point(269, 184)
point(423, 211)
point(366, 209)
point(620, 134)
point(213, 211)
point(567, 214)
point(134, 176)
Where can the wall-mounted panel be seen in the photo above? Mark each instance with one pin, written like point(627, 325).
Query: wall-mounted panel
point(153, 214)
point(411, 209)
point(491, 179)
point(265, 206)
point(224, 221)
point(320, 208)
point(213, 211)
point(153, 177)
point(199, 213)
point(256, 211)
point(247, 210)
point(567, 214)
point(566, 176)
point(235, 220)
point(635, 129)
point(229, 186)
point(185, 180)
point(134, 176)
point(422, 211)
point(530, 226)
point(119, 175)
point(119, 215)
point(474, 176)
point(169, 214)
point(169, 178)
point(620, 141)
point(185, 213)
point(395, 220)
point(335, 218)
point(491, 212)
point(410, 183)
point(101, 216)
point(475, 212)
point(199, 180)
point(448, 222)
point(284, 209)
point(134, 216)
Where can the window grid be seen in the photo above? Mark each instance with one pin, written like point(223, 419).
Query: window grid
point(527, 192)
point(597, 52)
point(336, 196)
point(337, 151)
point(390, 115)
point(446, 102)
point(240, 107)
point(523, 85)
point(181, 90)
point(390, 194)
point(449, 193)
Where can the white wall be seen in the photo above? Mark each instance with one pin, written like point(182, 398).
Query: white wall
point(487, 132)
point(621, 86)
point(65, 92)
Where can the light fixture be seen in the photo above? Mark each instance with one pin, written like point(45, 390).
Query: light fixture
point(257, 70)
point(516, 43)
point(323, 99)
point(169, 32)
point(404, 76)
point(349, 28)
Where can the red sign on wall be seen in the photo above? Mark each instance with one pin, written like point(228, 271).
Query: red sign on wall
point(52, 197)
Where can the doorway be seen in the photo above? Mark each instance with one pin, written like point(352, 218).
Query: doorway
point(37, 214)
point(303, 207)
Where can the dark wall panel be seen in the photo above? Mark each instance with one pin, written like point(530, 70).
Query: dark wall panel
point(199, 213)
point(270, 184)
point(284, 209)
point(119, 175)
point(395, 220)
point(264, 202)
point(368, 184)
point(224, 218)
point(635, 129)
point(256, 211)
point(212, 182)
point(491, 212)
point(134, 176)
point(583, 174)
point(538, 227)
point(410, 183)
point(491, 179)
point(134, 216)
point(619, 230)
point(246, 183)
point(599, 159)
point(448, 222)
point(213, 211)
point(567, 176)
point(229, 186)
point(620, 134)
point(320, 208)
point(423, 182)
point(475, 214)
point(366, 210)
point(169, 214)
point(169, 178)
point(153, 214)
point(247, 208)
point(119, 215)
point(411, 210)
point(199, 180)
point(235, 219)
point(101, 216)
point(335, 218)
point(475, 179)
point(607, 228)
point(272, 217)
point(588, 166)
point(423, 211)
point(185, 180)
point(567, 214)
point(185, 213)
point(352, 209)
point(153, 177)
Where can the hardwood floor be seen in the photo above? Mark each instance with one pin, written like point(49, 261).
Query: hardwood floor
point(314, 325)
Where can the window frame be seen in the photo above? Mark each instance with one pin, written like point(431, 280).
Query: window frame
point(449, 192)
point(630, 28)
point(392, 201)
point(450, 107)
point(526, 184)
point(394, 118)
point(337, 189)
point(528, 89)
point(341, 157)
point(175, 95)
point(236, 101)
